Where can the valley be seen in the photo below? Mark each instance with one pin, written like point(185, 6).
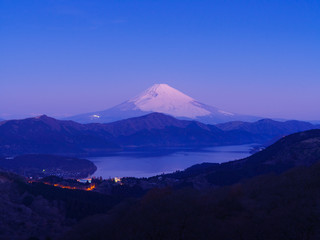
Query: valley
point(281, 177)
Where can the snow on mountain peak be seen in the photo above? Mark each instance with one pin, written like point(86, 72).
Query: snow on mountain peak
point(165, 99)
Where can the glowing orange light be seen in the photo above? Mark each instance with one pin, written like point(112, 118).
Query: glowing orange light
point(85, 188)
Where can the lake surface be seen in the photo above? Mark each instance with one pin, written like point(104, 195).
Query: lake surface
point(150, 163)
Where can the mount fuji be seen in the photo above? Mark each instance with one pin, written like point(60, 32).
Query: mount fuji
point(163, 99)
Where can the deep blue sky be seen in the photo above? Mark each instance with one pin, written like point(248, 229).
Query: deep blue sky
point(67, 57)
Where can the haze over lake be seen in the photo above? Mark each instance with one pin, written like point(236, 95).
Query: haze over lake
point(147, 164)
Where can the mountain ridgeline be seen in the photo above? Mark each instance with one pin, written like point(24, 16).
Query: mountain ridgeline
point(47, 135)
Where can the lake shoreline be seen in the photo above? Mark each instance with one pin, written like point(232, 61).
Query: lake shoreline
point(166, 160)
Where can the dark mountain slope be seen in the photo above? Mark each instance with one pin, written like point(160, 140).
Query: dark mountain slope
point(299, 149)
point(149, 122)
point(40, 211)
point(24, 214)
point(48, 135)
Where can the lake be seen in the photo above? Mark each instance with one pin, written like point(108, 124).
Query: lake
point(150, 163)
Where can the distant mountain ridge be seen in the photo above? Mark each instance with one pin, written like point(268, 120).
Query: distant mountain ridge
point(163, 99)
point(267, 126)
point(47, 135)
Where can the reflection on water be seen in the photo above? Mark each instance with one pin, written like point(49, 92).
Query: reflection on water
point(150, 163)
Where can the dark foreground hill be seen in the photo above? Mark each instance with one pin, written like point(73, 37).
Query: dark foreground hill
point(273, 207)
point(39, 211)
point(45, 135)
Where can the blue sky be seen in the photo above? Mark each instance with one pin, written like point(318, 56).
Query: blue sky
point(252, 57)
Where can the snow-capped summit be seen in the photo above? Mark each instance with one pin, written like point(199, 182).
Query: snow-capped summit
point(164, 99)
